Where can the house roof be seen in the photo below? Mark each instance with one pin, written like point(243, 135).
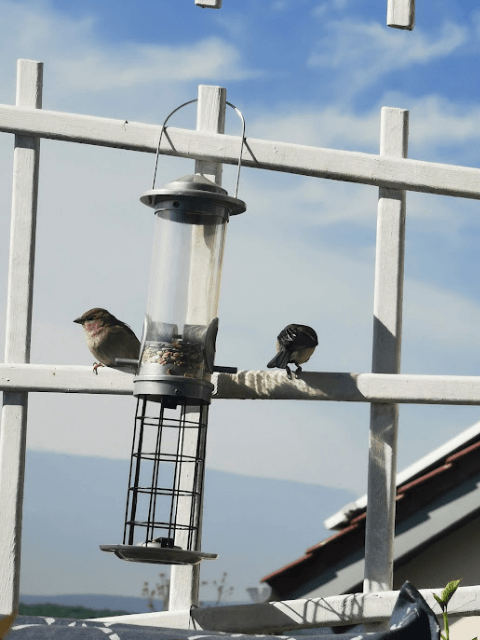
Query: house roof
point(434, 496)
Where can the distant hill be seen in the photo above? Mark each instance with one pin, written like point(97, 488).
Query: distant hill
point(64, 611)
point(91, 602)
point(96, 605)
point(73, 504)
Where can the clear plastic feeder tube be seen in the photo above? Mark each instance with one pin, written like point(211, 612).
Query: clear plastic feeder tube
point(178, 346)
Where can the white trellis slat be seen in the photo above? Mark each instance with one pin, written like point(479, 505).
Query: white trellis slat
point(293, 615)
point(331, 164)
point(258, 385)
point(18, 333)
point(401, 14)
point(209, 4)
point(185, 580)
point(387, 335)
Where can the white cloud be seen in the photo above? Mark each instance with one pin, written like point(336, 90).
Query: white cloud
point(280, 5)
point(320, 203)
point(441, 130)
point(436, 122)
point(83, 73)
point(317, 10)
point(331, 127)
point(437, 316)
point(285, 5)
point(135, 65)
point(324, 8)
point(31, 25)
point(365, 51)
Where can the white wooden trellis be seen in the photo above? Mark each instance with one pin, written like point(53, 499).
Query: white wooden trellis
point(383, 388)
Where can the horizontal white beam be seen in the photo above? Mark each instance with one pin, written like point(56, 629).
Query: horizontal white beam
point(350, 387)
point(64, 379)
point(275, 617)
point(258, 385)
point(349, 166)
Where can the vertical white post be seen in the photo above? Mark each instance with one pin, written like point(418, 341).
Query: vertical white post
point(18, 333)
point(211, 117)
point(209, 4)
point(184, 580)
point(401, 14)
point(387, 333)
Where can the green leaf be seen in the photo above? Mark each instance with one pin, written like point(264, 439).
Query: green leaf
point(440, 602)
point(450, 590)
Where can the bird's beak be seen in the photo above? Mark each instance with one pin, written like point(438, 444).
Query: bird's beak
point(78, 320)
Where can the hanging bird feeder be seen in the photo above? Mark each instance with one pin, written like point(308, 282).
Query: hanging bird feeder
point(164, 500)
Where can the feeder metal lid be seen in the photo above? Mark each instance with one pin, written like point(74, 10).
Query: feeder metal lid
point(197, 186)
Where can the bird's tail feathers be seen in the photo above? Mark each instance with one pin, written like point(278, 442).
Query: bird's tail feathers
point(280, 360)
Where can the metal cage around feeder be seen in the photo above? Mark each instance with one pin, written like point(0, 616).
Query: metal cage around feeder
point(165, 487)
point(165, 444)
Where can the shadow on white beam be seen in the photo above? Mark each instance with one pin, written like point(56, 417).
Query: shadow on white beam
point(276, 617)
point(258, 385)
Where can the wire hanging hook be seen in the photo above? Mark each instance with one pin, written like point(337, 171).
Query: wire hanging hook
point(240, 115)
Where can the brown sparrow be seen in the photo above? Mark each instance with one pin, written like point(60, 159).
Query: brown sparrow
point(108, 338)
point(296, 343)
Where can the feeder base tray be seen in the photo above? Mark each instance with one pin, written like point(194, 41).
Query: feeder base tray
point(156, 554)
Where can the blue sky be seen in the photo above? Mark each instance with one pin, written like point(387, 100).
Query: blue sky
point(306, 71)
